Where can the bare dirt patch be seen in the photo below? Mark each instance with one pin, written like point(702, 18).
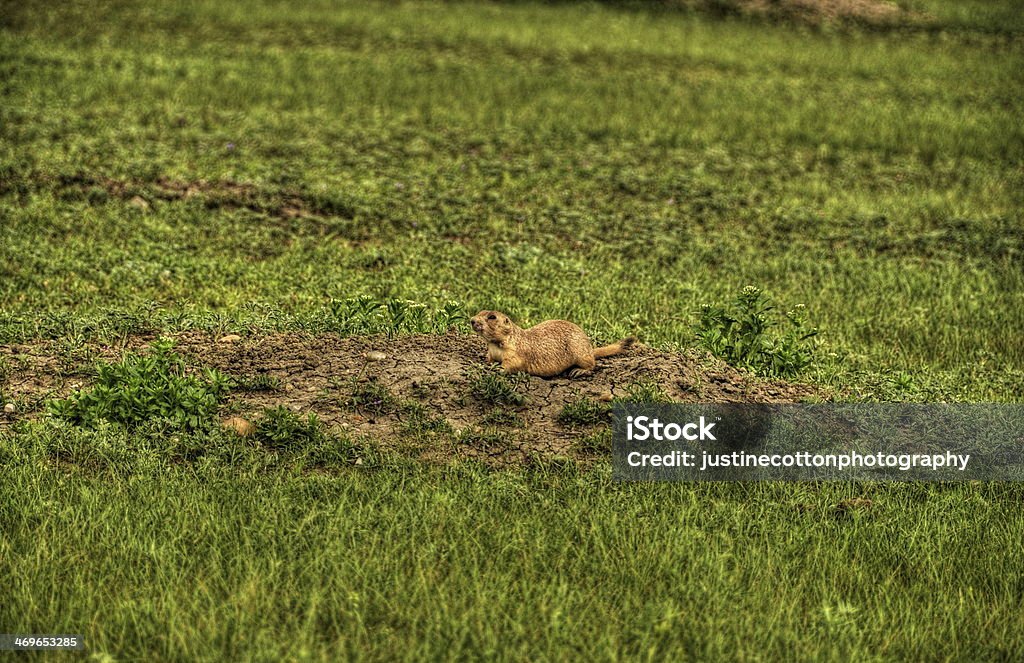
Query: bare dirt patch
point(870, 12)
point(411, 385)
point(221, 194)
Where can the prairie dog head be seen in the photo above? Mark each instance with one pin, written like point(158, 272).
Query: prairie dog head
point(492, 325)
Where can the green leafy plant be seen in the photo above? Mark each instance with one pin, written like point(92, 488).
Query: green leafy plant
point(401, 315)
point(749, 333)
point(449, 316)
point(356, 315)
point(365, 315)
point(280, 428)
point(146, 387)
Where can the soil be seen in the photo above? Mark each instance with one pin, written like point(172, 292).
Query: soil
point(867, 11)
point(864, 12)
point(225, 194)
point(324, 374)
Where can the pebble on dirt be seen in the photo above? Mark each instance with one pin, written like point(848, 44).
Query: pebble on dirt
point(230, 338)
point(10, 408)
point(375, 356)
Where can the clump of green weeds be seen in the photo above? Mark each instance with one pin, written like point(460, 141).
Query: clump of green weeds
point(498, 388)
point(500, 416)
point(597, 442)
point(365, 315)
point(333, 451)
point(282, 429)
point(485, 438)
point(371, 397)
point(416, 419)
point(645, 391)
point(749, 333)
point(582, 412)
point(259, 382)
point(146, 387)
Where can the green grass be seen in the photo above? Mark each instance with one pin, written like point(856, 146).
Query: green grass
point(584, 412)
point(644, 391)
point(280, 428)
point(371, 397)
point(414, 563)
point(490, 387)
point(602, 163)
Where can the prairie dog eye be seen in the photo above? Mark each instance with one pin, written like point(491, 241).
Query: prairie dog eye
point(492, 317)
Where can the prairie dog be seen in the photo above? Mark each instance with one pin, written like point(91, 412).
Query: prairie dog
point(545, 350)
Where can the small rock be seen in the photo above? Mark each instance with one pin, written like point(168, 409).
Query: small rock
point(606, 397)
point(375, 356)
point(10, 408)
point(230, 338)
point(139, 202)
point(289, 387)
point(242, 427)
point(359, 461)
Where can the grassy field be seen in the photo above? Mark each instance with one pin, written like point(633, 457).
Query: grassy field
point(244, 167)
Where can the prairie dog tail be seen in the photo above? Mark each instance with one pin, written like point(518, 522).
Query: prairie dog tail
point(614, 348)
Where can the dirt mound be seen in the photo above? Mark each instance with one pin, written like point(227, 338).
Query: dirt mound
point(430, 396)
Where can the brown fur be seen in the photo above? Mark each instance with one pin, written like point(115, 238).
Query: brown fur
point(545, 350)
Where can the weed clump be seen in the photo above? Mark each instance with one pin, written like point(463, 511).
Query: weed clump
point(280, 428)
point(498, 388)
point(485, 439)
point(260, 382)
point(583, 412)
point(143, 388)
point(749, 334)
point(305, 439)
point(365, 315)
point(371, 397)
point(645, 391)
point(500, 417)
point(416, 419)
point(597, 442)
